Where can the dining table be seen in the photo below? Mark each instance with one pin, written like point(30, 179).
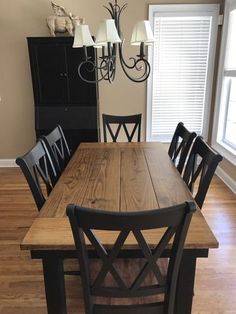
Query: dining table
point(116, 177)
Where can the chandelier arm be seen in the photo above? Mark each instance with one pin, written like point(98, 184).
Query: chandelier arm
point(113, 72)
point(121, 9)
point(110, 11)
point(103, 76)
point(146, 70)
point(112, 63)
point(110, 69)
point(101, 68)
point(109, 76)
point(117, 20)
point(115, 11)
point(136, 64)
point(123, 60)
point(94, 67)
point(145, 66)
point(139, 79)
point(114, 7)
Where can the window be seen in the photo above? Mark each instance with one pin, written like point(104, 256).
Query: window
point(224, 133)
point(229, 135)
point(182, 58)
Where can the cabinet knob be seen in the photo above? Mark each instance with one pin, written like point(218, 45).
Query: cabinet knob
point(66, 109)
point(61, 74)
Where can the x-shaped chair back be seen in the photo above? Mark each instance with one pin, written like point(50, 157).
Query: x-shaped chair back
point(173, 223)
point(122, 122)
point(201, 166)
point(180, 145)
point(38, 168)
point(58, 149)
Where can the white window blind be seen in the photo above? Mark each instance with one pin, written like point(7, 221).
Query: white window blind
point(180, 72)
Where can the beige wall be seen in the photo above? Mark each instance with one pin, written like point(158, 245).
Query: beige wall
point(23, 18)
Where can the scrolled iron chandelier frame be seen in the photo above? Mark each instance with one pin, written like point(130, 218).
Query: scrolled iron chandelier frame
point(109, 41)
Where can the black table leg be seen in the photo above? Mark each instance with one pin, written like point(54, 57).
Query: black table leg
point(185, 285)
point(54, 284)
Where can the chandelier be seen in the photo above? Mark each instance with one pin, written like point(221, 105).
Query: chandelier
point(109, 44)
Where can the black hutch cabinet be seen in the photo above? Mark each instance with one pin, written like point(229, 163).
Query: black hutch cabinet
point(60, 96)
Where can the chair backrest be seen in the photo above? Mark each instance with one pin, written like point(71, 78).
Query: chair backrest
point(180, 145)
point(58, 149)
point(172, 222)
point(38, 169)
point(201, 166)
point(119, 122)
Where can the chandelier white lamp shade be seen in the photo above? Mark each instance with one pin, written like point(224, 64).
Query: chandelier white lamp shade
point(142, 33)
point(109, 46)
point(107, 33)
point(82, 37)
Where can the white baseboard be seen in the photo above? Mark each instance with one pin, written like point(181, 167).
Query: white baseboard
point(231, 183)
point(7, 163)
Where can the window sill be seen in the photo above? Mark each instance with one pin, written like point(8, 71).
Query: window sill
point(226, 151)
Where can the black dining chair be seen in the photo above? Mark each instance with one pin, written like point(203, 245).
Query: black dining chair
point(201, 165)
point(39, 172)
point(117, 122)
point(172, 222)
point(180, 145)
point(58, 149)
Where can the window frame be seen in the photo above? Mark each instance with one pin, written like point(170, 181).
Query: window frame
point(184, 10)
point(221, 106)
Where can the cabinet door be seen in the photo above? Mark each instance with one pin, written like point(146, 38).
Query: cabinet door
point(61, 97)
point(80, 93)
point(70, 118)
point(51, 74)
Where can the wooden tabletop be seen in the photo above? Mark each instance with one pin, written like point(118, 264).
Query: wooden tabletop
point(116, 177)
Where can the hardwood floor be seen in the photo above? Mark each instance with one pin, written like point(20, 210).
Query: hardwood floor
point(21, 281)
point(215, 287)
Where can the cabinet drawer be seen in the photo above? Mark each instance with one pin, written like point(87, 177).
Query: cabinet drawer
point(70, 118)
